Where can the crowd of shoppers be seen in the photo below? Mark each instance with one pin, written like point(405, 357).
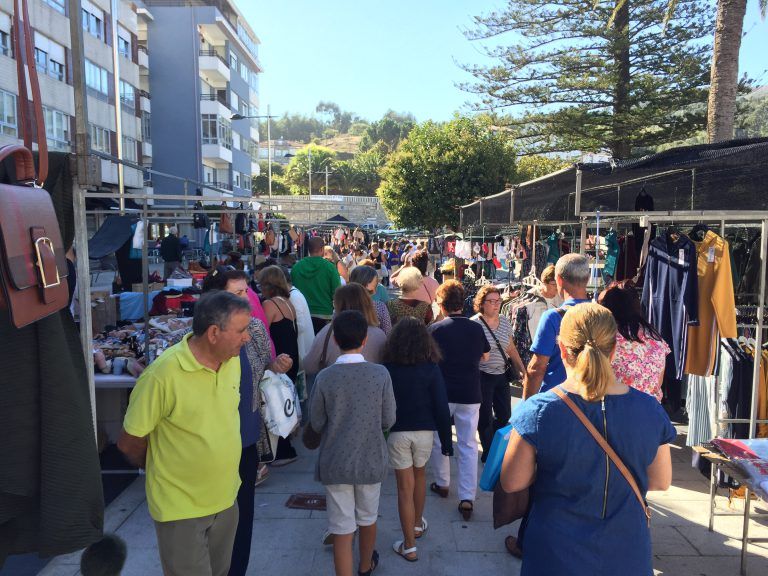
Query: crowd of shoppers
point(388, 379)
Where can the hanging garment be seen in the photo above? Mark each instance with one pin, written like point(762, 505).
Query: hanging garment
point(51, 498)
point(697, 403)
point(241, 223)
point(612, 256)
point(716, 305)
point(225, 225)
point(200, 219)
point(670, 294)
point(553, 252)
point(628, 258)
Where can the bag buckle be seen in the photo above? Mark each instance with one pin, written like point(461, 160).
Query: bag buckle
point(47, 241)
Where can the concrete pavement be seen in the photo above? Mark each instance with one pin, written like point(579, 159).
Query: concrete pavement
point(287, 541)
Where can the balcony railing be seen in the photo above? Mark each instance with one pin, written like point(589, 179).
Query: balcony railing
point(145, 94)
point(224, 185)
point(213, 53)
point(212, 96)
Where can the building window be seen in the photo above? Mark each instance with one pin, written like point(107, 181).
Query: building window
point(208, 174)
point(254, 81)
point(5, 43)
point(56, 69)
point(57, 5)
point(124, 47)
point(100, 140)
point(57, 129)
point(233, 61)
point(146, 127)
point(41, 60)
point(93, 20)
point(8, 124)
point(96, 77)
point(130, 151)
point(236, 179)
point(217, 130)
point(244, 72)
point(245, 182)
point(127, 94)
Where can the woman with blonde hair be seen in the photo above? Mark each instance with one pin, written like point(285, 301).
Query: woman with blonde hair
point(585, 517)
point(325, 351)
point(330, 254)
point(411, 282)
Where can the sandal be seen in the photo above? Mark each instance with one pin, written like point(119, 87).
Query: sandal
point(510, 543)
point(419, 531)
point(401, 550)
point(374, 564)
point(466, 511)
point(441, 491)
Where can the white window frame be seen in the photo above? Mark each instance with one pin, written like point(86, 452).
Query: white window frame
point(101, 139)
point(236, 178)
point(5, 43)
point(93, 19)
point(130, 149)
point(233, 61)
point(96, 78)
point(8, 119)
point(57, 5)
point(57, 128)
point(124, 41)
point(244, 72)
point(125, 88)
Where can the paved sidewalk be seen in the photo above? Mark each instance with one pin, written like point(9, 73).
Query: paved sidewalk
point(287, 541)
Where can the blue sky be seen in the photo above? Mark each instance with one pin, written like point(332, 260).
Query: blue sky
point(372, 55)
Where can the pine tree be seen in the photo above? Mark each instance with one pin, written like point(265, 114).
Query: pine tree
point(586, 75)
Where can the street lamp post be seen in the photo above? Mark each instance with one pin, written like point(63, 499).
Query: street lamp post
point(269, 142)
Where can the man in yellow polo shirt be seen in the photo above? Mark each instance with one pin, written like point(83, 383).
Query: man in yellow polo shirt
point(183, 426)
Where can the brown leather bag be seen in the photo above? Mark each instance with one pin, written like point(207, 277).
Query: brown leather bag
point(33, 265)
point(225, 224)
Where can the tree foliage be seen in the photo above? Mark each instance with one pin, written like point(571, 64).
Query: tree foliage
point(260, 183)
point(578, 84)
point(536, 166)
point(752, 117)
point(441, 166)
point(296, 176)
point(391, 130)
point(305, 129)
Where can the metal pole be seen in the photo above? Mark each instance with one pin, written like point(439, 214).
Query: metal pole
point(326, 178)
point(481, 211)
point(118, 102)
point(512, 206)
point(82, 146)
point(693, 185)
point(269, 151)
point(577, 204)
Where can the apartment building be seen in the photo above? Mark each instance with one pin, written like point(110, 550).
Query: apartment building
point(49, 20)
point(205, 69)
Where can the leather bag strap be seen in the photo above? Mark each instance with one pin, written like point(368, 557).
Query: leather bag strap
point(23, 160)
point(324, 356)
point(606, 448)
point(25, 64)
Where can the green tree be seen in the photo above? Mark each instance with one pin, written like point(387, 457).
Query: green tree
point(752, 117)
point(536, 166)
point(441, 166)
point(584, 85)
point(260, 183)
point(297, 173)
point(390, 130)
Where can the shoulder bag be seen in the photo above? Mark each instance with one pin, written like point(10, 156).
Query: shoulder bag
point(33, 265)
point(607, 449)
point(509, 367)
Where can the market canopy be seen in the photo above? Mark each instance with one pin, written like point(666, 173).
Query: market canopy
point(725, 176)
point(114, 232)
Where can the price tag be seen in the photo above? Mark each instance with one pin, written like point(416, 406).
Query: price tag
point(681, 256)
point(711, 255)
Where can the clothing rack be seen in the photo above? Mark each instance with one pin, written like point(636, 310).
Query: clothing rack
point(723, 218)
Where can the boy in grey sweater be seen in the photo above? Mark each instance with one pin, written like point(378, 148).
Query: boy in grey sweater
point(352, 405)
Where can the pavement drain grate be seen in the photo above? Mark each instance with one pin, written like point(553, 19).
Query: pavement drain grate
point(306, 501)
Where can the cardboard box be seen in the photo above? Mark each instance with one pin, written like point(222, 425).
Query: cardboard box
point(103, 310)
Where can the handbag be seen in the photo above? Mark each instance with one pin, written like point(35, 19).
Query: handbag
point(33, 265)
point(607, 449)
point(282, 412)
point(509, 368)
point(507, 506)
point(225, 224)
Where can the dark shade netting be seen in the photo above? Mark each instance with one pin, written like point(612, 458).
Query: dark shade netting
point(731, 175)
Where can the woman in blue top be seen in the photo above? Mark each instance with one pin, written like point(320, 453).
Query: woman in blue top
point(584, 517)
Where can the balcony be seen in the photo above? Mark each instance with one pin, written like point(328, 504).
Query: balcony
point(144, 101)
point(146, 150)
point(143, 57)
point(215, 151)
point(222, 185)
point(132, 178)
point(213, 67)
point(215, 103)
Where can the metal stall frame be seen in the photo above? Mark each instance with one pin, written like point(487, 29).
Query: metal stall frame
point(723, 217)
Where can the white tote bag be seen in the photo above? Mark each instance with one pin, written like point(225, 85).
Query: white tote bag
point(282, 411)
